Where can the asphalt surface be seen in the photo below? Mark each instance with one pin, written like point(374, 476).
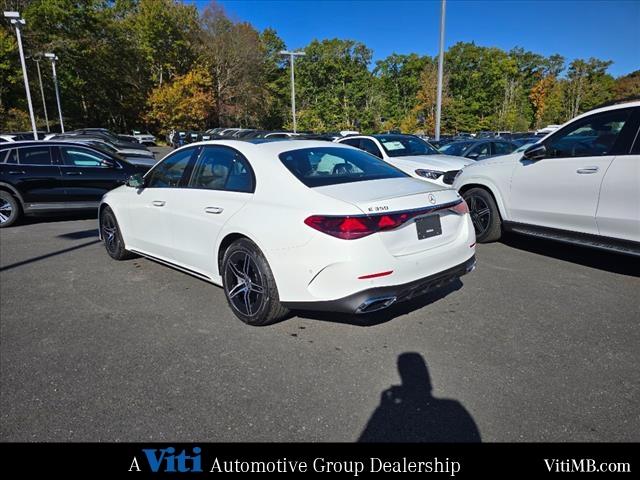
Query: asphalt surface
point(539, 343)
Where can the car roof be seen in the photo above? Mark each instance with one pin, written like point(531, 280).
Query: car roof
point(274, 146)
point(44, 143)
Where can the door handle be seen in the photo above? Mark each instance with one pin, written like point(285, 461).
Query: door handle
point(587, 170)
point(73, 173)
point(158, 203)
point(17, 172)
point(214, 210)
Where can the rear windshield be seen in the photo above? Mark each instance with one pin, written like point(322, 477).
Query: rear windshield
point(321, 166)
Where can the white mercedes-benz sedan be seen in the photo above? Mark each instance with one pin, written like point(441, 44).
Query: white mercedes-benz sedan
point(410, 154)
point(292, 224)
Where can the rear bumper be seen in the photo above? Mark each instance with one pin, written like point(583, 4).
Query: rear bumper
point(378, 298)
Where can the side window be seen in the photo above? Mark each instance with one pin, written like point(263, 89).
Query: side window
point(9, 156)
point(594, 135)
point(353, 142)
point(221, 168)
point(169, 172)
point(482, 151)
point(34, 156)
point(81, 157)
point(502, 148)
point(12, 156)
point(369, 146)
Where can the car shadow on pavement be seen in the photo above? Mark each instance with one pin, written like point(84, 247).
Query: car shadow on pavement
point(588, 257)
point(47, 255)
point(56, 217)
point(91, 233)
point(386, 315)
point(409, 413)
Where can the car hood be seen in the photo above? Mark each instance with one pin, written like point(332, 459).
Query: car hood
point(442, 163)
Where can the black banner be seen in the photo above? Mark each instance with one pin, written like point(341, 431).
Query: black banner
point(351, 460)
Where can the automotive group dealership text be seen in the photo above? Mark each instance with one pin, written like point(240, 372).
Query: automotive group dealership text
point(168, 461)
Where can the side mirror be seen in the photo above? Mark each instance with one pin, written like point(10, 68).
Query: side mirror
point(535, 152)
point(109, 164)
point(135, 181)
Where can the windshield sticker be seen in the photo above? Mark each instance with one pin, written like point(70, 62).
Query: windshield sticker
point(393, 145)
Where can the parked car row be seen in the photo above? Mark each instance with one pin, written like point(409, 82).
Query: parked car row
point(354, 225)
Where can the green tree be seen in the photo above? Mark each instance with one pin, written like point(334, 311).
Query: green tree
point(335, 86)
point(398, 80)
point(588, 85)
point(165, 31)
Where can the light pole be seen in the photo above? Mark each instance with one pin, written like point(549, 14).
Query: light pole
point(292, 56)
point(440, 69)
point(53, 57)
point(44, 104)
point(16, 21)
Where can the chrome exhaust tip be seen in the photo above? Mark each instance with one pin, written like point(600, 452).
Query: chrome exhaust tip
point(376, 303)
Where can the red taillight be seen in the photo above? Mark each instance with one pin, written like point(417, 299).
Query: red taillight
point(358, 226)
point(460, 208)
point(347, 228)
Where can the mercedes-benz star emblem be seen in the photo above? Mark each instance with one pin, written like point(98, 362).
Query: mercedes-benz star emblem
point(432, 198)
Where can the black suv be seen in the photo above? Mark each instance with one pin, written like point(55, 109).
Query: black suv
point(56, 176)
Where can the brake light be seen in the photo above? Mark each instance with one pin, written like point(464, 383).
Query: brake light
point(358, 226)
point(460, 208)
point(347, 228)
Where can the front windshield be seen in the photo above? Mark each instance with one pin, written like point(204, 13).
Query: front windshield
point(456, 148)
point(402, 146)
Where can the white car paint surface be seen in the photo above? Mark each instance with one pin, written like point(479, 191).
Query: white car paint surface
point(589, 181)
point(185, 225)
point(411, 164)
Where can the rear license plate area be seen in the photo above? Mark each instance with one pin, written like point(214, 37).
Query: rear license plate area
point(428, 226)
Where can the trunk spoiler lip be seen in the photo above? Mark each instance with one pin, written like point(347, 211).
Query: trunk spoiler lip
point(414, 212)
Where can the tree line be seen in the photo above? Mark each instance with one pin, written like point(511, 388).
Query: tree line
point(162, 64)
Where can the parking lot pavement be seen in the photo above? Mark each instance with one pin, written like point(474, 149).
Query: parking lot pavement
point(540, 343)
point(160, 152)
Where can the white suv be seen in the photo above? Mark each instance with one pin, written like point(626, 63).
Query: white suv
point(579, 184)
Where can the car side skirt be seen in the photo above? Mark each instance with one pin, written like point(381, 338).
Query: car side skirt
point(627, 247)
point(377, 298)
point(173, 265)
point(57, 206)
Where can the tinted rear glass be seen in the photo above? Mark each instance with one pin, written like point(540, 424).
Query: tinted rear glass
point(318, 167)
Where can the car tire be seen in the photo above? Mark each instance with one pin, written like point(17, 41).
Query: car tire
point(249, 285)
point(10, 210)
point(484, 215)
point(111, 236)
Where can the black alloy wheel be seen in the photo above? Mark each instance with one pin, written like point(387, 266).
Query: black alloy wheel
point(484, 214)
point(249, 284)
point(245, 283)
point(9, 209)
point(111, 236)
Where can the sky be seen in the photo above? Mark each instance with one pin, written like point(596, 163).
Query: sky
point(605, 29)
